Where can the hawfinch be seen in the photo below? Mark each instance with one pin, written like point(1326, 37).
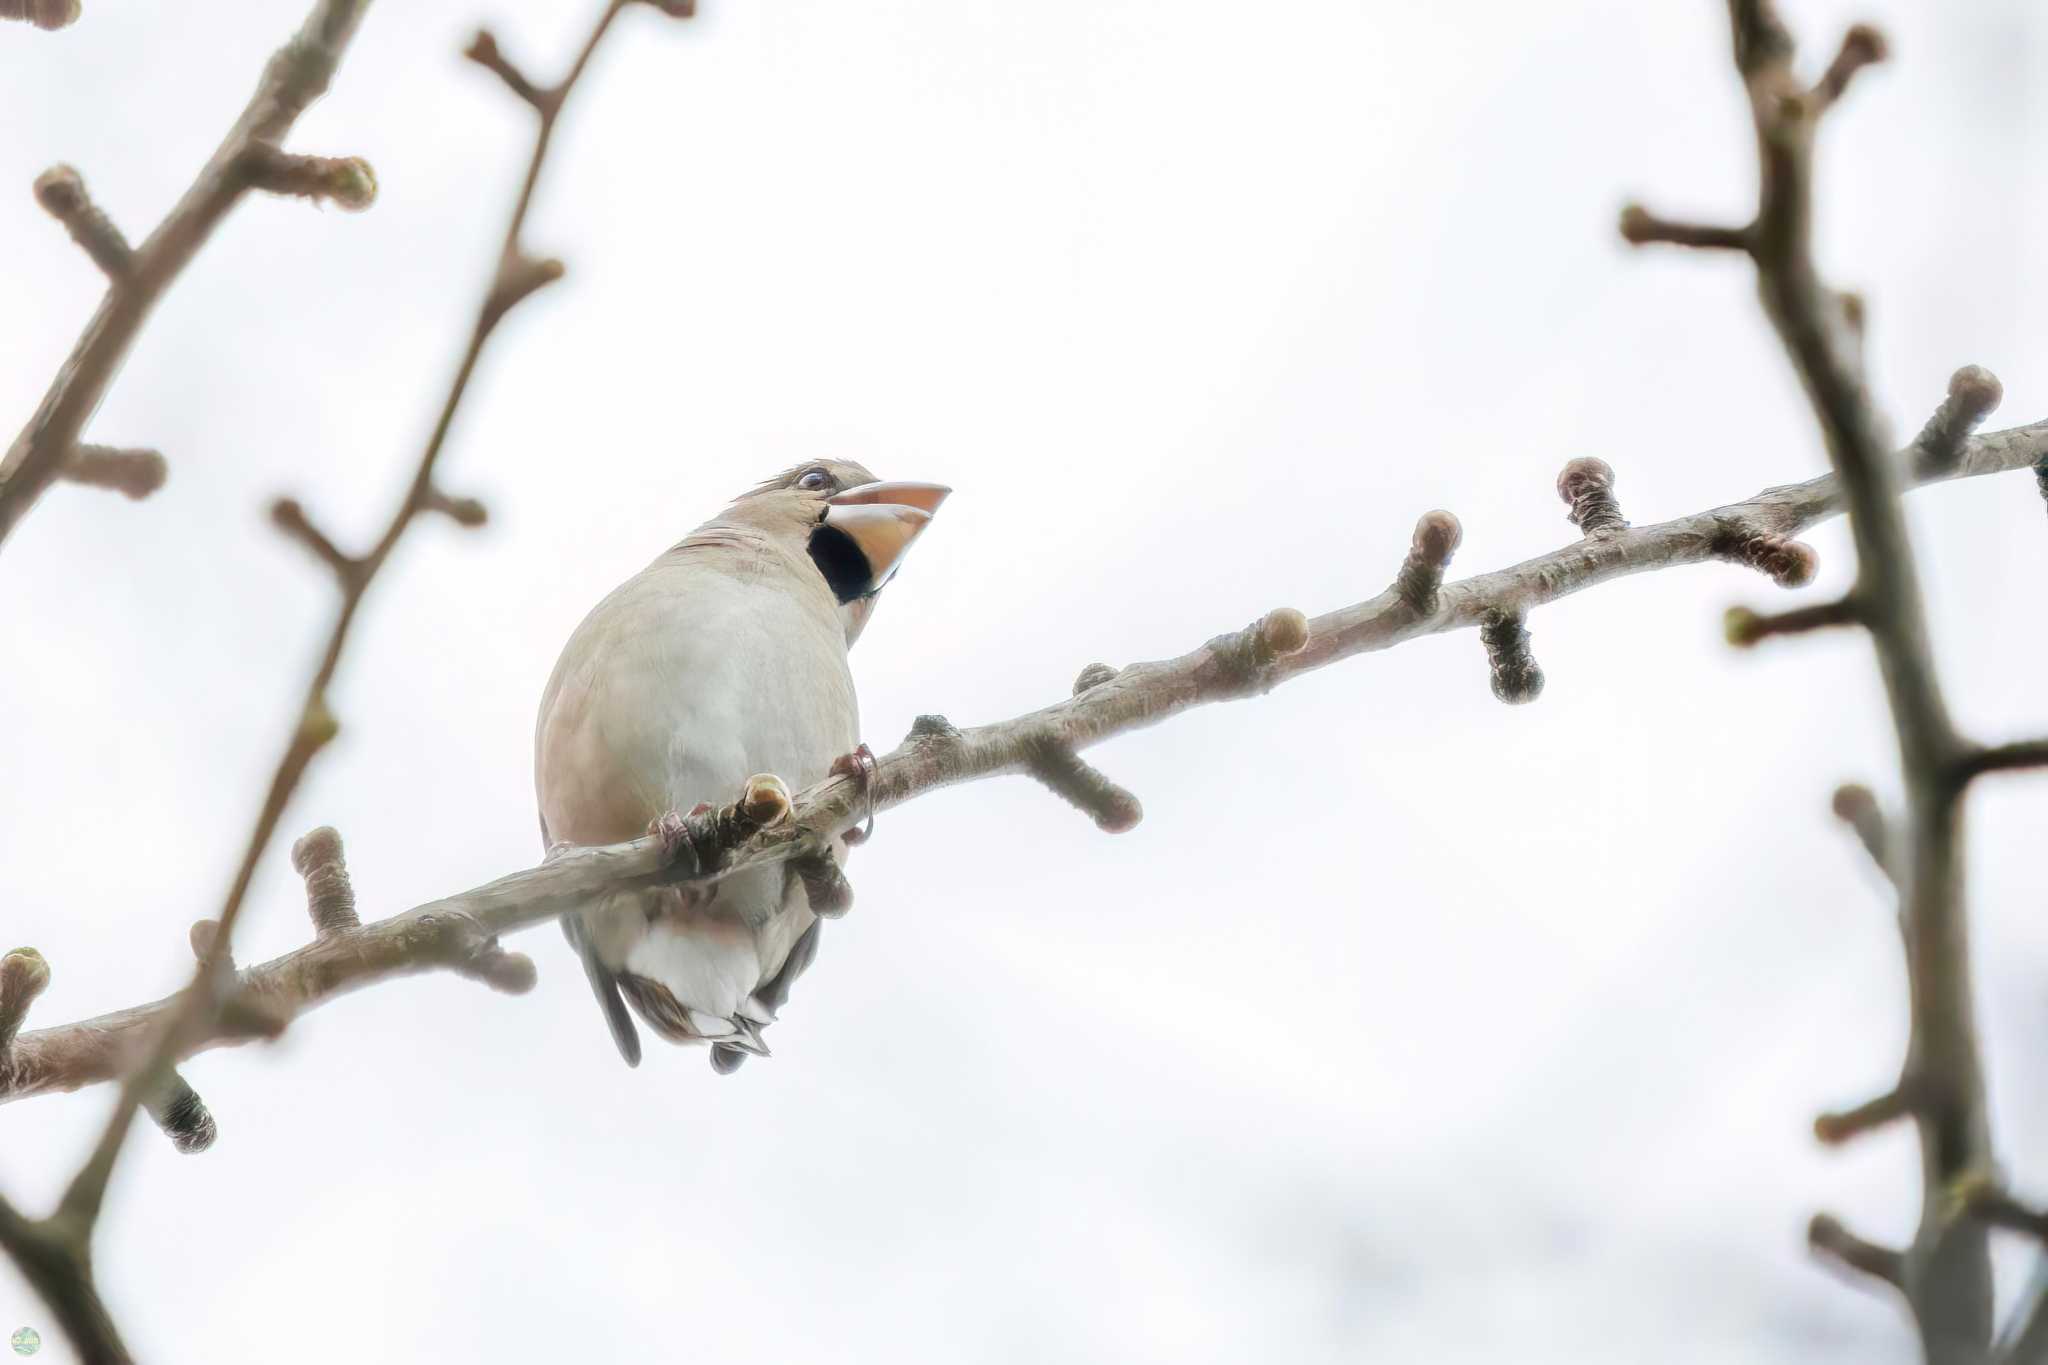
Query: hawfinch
point(724, 658)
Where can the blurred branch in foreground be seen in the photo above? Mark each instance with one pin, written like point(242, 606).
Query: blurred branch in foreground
point(249, 157)
point(55, 1252)
point(1945, 1275)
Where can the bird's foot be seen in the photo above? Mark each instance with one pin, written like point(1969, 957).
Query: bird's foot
point(673, 830)
point(859, 765)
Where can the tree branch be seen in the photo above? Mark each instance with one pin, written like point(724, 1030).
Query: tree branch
point(41, 13)
point(1107, 702)
point(296, 76)
point(2004, 758)
point(1947, 1273)
point(214, 1005)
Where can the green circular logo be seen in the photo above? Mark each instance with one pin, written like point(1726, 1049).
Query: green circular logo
point(26, 1342)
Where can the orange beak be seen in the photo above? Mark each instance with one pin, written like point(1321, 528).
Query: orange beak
point(881, 519)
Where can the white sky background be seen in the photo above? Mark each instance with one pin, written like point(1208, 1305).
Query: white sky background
point(1408, 1026)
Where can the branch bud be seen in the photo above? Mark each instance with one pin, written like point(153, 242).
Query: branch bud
point(1282, 631)
point(1437, 537)
point(135, 473)
point(1587, 488)
point(347, 181)
point(1789, 563)
point(23, 977)
point(61, 192)
point(1094, 675)
point(1063, 773)
point(1973, 392)
point(1516, 678)
point(183, 1116)
point(464, 512)
point(330, 896)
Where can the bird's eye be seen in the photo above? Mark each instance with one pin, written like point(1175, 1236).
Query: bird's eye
point(814, 479)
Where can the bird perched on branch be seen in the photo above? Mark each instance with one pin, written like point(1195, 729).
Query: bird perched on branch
point(724, 658)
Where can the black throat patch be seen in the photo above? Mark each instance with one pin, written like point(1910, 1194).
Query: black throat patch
point(845, 568)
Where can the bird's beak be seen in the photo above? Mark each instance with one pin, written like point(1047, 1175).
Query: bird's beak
point(881, 519)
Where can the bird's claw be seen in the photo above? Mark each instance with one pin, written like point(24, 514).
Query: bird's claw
point(859, 765)
point(673, 830)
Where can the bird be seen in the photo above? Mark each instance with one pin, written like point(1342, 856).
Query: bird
point(724, 658)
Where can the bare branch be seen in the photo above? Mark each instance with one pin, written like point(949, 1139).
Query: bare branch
point(53, 1258)
point(467, 513)
point(1745, 628)
point(519, 277)
point(62, 194)
point(134, 473)
point(935, 755)
point(1640, 227)
point(483, 50)
point(1951, 1300)
point(1856, 806)
point(1838, 1127)
point(347, 182)
point(289, 516)
point(1989, 1202)
point(1761, 38)
point(296, 76)
point(1826, 1235)
point(1861, 46)
point(250, 156)
point(2004, 758)
point(51, 14)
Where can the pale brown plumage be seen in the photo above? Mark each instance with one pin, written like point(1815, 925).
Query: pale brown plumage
point(724, 658)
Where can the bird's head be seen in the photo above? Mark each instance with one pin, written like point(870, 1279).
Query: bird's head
point(857, 528)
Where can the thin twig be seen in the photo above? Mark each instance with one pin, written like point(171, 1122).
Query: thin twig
point(249, 156)
point(296, 76)
point(1947, 1272)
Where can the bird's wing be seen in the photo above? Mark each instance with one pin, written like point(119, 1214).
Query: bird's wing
point(605, 986)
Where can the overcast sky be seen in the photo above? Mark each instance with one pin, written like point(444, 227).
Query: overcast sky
point(1408, 1026)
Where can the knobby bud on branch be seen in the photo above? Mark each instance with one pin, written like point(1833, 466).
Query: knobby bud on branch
point(61, 192)
point(1094, 675)
point(346, 181)
point(1973, 392)
point(1067, 776)
point(330, 897)
point(1516, 678)
point(1437, 537)
point(50, 14)
point(1587, 488)
point(133, 473)
point(182, 1115)
point(1789, 563)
